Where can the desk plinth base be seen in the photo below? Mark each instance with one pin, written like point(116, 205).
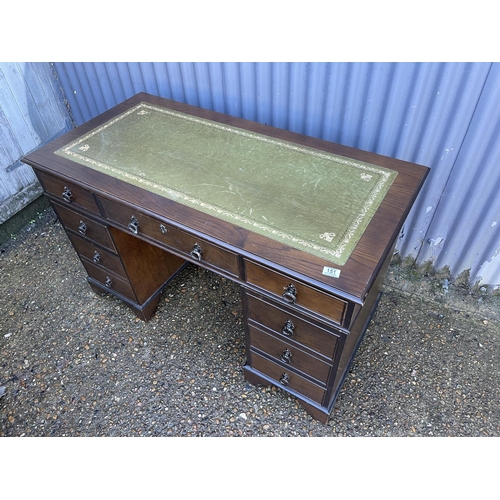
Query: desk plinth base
point(144, 311)
point(316, 411)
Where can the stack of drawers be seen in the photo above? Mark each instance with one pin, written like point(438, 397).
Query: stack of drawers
point(104, 250)
point(289, 348)
point(294, 336)
point(77, 210)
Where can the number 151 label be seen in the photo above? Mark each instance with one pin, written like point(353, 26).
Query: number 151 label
point(331, 271)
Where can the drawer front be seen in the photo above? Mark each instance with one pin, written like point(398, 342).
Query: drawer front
point(287, 378)
point(291, 326)
point(86, 227)
point(98, 255)
point(109, 280)
point(174, 238)
point(67, 192)
point(289, 354)
point(305, 296)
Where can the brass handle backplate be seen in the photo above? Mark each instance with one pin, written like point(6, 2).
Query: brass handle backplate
point(133, 225)
point(285, 379)
point(290, 294)
point(288, 328)
point(82, 228)
point(286, 356)
point(67, 194)
point(196, 252)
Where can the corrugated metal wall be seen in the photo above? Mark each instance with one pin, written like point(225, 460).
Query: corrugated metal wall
point(443, 115)
point(31, 112)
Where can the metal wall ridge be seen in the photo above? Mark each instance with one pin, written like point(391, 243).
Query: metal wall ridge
point(442, 115)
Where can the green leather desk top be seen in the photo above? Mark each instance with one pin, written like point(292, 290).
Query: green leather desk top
point(311, 200)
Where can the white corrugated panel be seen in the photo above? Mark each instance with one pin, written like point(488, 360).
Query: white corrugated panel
point(31, 112)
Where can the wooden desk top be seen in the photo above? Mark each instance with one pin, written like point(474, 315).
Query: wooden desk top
point(294, 202)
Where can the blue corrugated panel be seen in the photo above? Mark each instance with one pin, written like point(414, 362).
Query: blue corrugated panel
point(437, 114)
point(464, 233)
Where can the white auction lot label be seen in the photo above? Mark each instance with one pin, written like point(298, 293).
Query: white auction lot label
point(331, 271)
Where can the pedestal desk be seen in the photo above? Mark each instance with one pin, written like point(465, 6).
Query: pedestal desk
point(305, 226)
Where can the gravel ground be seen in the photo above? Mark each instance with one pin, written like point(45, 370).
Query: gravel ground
point(77, 364)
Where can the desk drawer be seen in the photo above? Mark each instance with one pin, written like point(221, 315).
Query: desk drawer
point(85, 226)
point(290, 326)
point(109, 280)
point(67, 192)
point(98, 255)
point(289, 354)
point(287, 378)
point(166, 234)
point(300, 294)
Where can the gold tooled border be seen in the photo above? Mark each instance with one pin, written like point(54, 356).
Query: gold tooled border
point(385, 176)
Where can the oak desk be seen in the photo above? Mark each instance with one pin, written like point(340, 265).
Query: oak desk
point(305, 226)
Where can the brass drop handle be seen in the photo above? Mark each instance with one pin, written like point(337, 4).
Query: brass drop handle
point(196, 252)
point(82, 228)
point(67, 194)
point(285, 379)
point(97, 256)
point(290, 294)
point(133, 225)
point(108, 282)
point(288, 328)
point(163, 229)
point(286, 356)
